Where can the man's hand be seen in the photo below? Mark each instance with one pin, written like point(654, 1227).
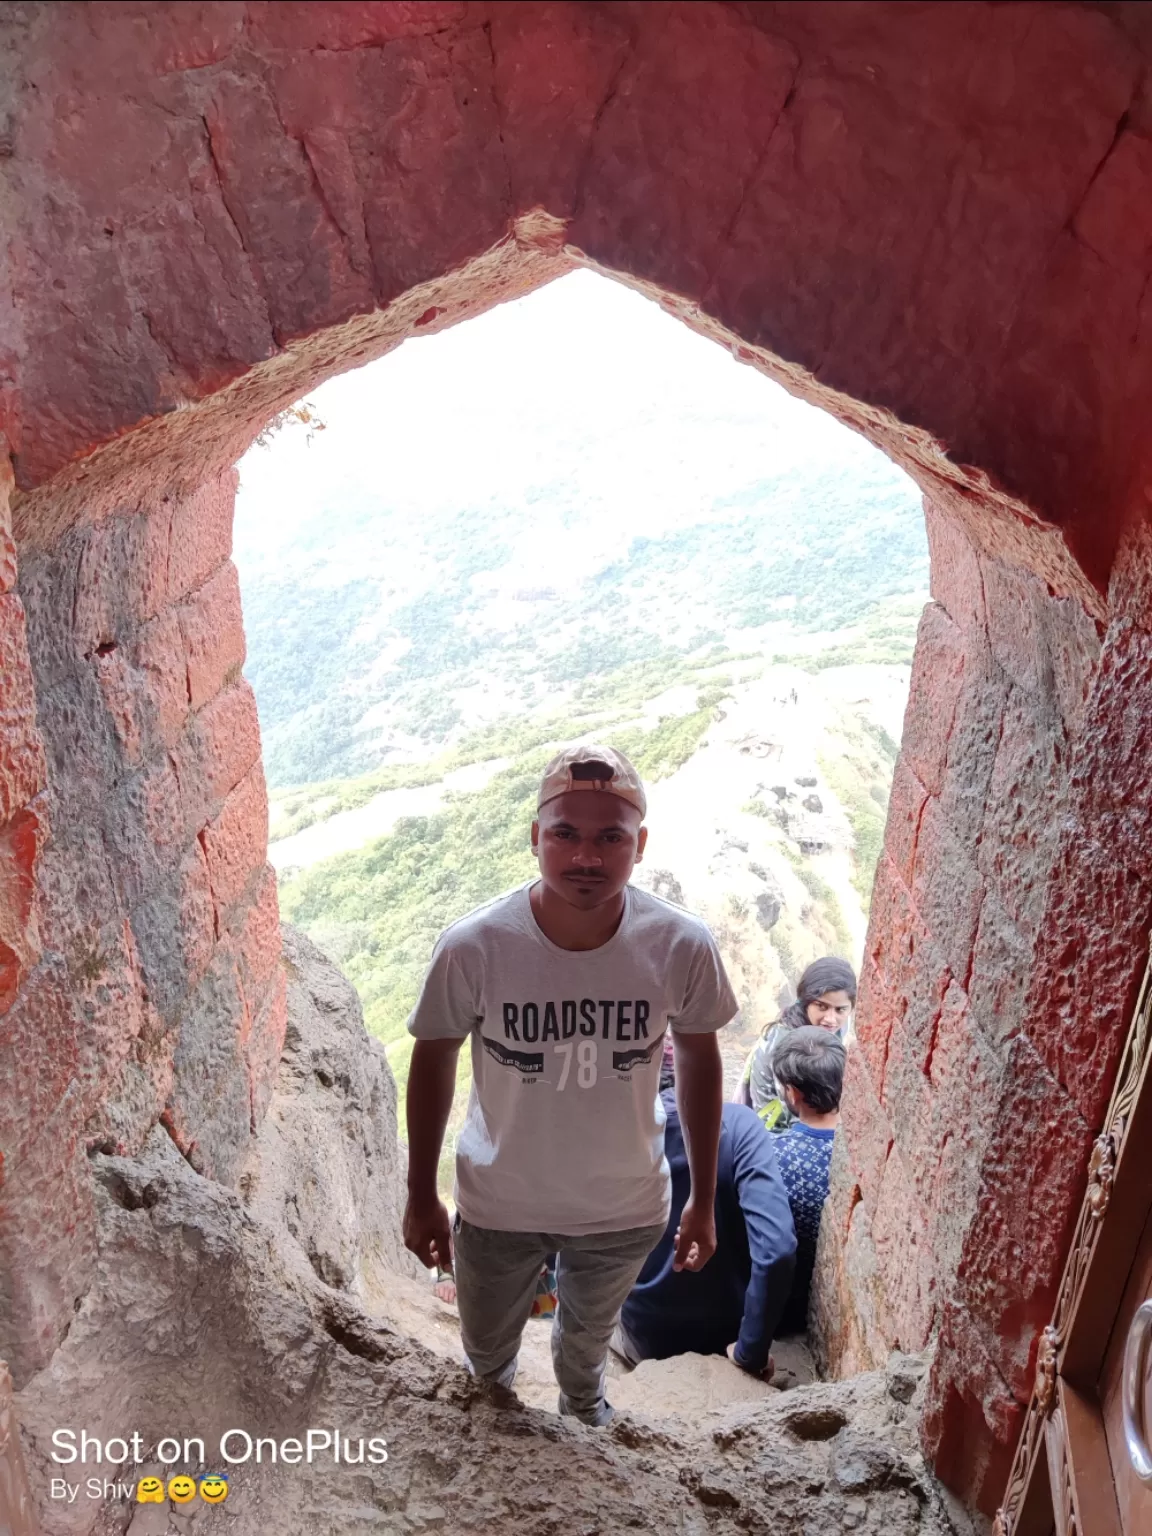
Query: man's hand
point(427, 1232)
point(699, 1093)
point(695, 1236)
point(431, 1082)
point(765, 1375)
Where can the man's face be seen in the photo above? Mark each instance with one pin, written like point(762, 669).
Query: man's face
point(830, 1010)
point(587, 842)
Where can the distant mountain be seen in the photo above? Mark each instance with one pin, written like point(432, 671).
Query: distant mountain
point(374, 638)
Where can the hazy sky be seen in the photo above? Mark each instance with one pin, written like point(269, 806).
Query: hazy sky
point(583, 382)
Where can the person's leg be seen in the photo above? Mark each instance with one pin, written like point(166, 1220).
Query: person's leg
point(495, 1283)
point(593, 1277)
point(623, 1346)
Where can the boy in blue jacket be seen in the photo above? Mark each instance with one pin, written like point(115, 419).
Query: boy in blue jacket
point(734, 1303)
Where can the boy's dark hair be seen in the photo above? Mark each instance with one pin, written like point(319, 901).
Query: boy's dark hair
point(812, 1061)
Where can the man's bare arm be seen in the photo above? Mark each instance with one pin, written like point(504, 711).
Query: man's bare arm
point(431, 1085)
point(699, 1097)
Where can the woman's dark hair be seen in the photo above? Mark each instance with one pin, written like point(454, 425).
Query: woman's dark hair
point(811, 1060)
point(831, 974)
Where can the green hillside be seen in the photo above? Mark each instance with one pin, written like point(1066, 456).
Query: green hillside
point(794, 553)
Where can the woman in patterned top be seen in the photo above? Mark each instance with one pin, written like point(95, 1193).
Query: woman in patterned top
point(825, 998)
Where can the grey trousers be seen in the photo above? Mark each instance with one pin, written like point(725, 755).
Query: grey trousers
point(496, 1281)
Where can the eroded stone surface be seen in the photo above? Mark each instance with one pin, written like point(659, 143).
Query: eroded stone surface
point(262, 1308)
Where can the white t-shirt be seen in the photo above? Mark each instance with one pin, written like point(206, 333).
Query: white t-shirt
point(565, 1131)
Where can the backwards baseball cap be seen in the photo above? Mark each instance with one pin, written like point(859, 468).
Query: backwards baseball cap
point(592, 767)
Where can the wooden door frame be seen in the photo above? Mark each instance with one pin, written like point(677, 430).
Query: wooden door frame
point(1061, 1478)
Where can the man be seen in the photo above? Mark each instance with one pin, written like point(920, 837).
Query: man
point(809, 1066)
point(565, 988)
point(735, 1304)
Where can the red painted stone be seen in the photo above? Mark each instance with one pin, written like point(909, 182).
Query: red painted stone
point(161, 682)
point(22, 765)
point(1111, 776)
point(973, 742)
point(265, 1044)
point(547, 115)
point(270, 189)
point(219, 746)
point(893, 918)
point(705, 153)
point(198, 932)
point(876, 1012)
point(900, 1239)
point(200, 537)
point(20, 841)
point(1113, 218)
point(236, 842)
point(39, 1050)
point(105, 985)
point(346, 24)
point(1031, 1183)
point(947, 891)
point(1002, 973)
point(908, 958)
point(1092, 945)
point(937, 679)
point(7, 543)
point(907, 1099)
point(956, 579)
point(965, 1073)
point(905, 810)
point(1026, 803)
point(255, 932)
point(122, 578)
point(971, 1420)
point(1130, 585)
point(212, 630)
point(404, 147)
point(865, 1130)
point(47, 1240)
point(1073, 639)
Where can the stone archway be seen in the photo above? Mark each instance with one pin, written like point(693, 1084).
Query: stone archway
point(926, 219)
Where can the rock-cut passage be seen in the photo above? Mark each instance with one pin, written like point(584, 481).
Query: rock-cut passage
point(279, 1307)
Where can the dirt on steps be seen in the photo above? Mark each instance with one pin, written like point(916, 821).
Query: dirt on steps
point(688, 1388)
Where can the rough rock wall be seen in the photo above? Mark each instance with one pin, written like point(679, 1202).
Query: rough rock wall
point(1007, 939)
point(926, 218)
point(156, 992)
point(326, 1164)
point(273, 1337)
